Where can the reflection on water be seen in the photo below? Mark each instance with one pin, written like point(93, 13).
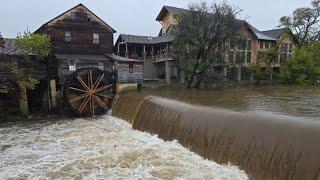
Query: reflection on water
point(284, 100)
point(101, 148)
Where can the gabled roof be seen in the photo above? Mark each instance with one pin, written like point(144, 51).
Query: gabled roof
point(275, 33)
point(9, 48)
point(260, 35)
point(270, 35)
point(114, 31)
point(133, 39)
point(170, 9)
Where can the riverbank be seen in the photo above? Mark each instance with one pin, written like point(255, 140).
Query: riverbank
point(104, 147)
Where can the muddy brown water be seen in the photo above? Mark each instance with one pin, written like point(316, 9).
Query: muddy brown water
point(270, 132)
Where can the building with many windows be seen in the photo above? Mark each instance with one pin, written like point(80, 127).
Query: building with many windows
point(159, 64)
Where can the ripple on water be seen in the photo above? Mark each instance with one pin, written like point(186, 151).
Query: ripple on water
point(100, 148)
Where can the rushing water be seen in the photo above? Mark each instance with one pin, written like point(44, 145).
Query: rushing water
point(100, 148)
point(271, 132)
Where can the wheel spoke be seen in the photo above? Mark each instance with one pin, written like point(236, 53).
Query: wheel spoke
point(90, 78)
point(76, 89)
point(106, 96)
point(97, 83)
point(82, 82)
point(101, 103)
point(78, 98)
point(83, 104)
point(103, 88)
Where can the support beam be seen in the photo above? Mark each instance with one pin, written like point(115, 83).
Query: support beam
point(127, 52)
point(167, 72)
point(53, 89)
point(23, 102)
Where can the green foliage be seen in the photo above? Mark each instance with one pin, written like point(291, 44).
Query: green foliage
point(13, 79)
point(304, 67)
point(304, 23)
point(34, 44)
point(257, 73)
point(200, 37)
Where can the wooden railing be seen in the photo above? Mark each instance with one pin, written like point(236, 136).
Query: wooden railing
point(163, 56)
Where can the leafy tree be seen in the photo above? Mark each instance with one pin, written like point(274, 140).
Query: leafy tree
point(270, 58)
point(34, 44)
point(201, 37)
point(14, 79)
point(257, 74)
point(304, 23)
point(304, 67)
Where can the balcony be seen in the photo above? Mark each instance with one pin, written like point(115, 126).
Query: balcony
point(163, 57)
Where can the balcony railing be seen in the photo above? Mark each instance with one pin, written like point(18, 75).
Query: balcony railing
point(163, 56)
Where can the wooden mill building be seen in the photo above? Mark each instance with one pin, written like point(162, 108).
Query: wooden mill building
point(81, 39)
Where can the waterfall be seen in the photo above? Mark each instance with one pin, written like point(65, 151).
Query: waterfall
point(266, 146)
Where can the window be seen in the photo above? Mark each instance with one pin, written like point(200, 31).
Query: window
point(249, 44)
point(249, 57)
point(131, 68)
point(101, 65)
point(96, 38)
point(231, 56)
point(72, 65)
point(283, 57)
point(88, 17)
point(266, 45)
point(73, 15)
point(284, 48)
point(261, 45)
point(67, 36)
point(290, 48)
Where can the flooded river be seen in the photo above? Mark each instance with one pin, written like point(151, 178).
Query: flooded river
point(302, 102)
point(102, 148)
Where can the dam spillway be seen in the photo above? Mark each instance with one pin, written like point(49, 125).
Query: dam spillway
point(265, 145)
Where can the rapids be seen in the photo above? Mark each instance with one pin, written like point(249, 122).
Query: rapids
point(100, 148)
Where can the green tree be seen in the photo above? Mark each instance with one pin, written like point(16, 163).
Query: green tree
point(200, 39)
point(38, 45)
point(304, 23)
point(303, 68)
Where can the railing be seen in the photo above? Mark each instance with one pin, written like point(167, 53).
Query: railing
point(163, 56)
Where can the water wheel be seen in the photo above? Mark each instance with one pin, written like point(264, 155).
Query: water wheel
point(90, 92)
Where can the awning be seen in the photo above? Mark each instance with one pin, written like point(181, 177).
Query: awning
point(121, 59)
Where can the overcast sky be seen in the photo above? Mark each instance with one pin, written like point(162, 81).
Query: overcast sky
point(131, 16)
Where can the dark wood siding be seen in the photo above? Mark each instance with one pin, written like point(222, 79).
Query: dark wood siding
point(82, 31)
point(124, 75)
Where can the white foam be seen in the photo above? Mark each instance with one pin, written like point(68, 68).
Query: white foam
point(106, 148)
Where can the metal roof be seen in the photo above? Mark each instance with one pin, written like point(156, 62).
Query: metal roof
point(9, 48)
point(275, 33)
point(145, 39)
point(121, 59)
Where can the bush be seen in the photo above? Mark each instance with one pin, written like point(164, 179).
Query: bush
point(303, 67)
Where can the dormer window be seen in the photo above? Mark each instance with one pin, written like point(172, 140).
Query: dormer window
point(96, 38)
point(88, 17)
point(67, 36)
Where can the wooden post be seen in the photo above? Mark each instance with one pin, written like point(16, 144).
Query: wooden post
point(23, 102)
point(127, 52)
point(167, 72)
point(53, 93)
point(239, 73)
point(182, 77)
point(144, 52)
